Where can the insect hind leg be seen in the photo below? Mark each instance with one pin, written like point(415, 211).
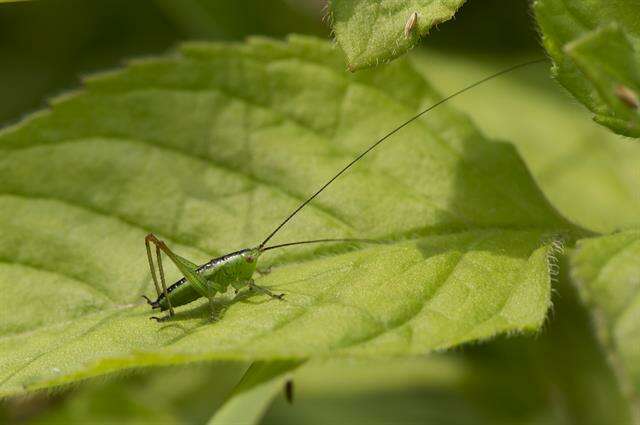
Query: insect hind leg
point(152, 269)
point(160, 246)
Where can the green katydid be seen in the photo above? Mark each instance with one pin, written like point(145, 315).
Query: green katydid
point(237, 268)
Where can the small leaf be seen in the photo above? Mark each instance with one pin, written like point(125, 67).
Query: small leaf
point(605, 56)
point(607, 272)
point(209, 149)
point(596, 49)
point(253, 395)
point(375, 32)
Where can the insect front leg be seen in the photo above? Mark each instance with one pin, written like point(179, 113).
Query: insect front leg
point(253, 287)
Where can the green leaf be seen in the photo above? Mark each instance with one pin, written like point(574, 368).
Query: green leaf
point(209, 149)
point(605, 56)
point(595, 46)
point(607, 272)
point(374, 32)
point(253, 395)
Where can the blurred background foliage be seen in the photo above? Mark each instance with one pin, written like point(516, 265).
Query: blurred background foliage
point(557, 376)
point(47, 45)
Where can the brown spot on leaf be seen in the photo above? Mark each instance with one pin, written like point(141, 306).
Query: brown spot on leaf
point(627, 96)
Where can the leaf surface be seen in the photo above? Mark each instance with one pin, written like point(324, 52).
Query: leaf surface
point(374, 32)
point(595, 46)
point(607, 272)
point(209, 148)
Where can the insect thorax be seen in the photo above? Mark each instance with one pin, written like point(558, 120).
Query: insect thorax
point(236, 267)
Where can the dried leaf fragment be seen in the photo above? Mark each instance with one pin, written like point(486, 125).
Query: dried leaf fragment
point(410, 25)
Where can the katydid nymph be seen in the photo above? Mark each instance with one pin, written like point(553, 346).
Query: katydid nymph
point(238, 268)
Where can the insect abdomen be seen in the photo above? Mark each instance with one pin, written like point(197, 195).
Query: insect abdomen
point(181, 293)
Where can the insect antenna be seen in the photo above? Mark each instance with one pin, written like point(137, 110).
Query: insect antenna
point(385, 137)
point(347, 240)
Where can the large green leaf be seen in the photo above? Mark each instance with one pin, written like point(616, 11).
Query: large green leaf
point(595, 46)
point(375, 32)
point(209, 148)
point(607, 272)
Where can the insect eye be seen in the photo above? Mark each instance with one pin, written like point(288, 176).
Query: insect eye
point(249, 259)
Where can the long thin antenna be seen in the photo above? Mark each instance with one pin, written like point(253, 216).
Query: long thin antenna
point(386, 136)
point(269, 248)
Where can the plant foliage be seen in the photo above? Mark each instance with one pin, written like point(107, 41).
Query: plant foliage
point(595, 46)
point(374, 32)
point(209, 148)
